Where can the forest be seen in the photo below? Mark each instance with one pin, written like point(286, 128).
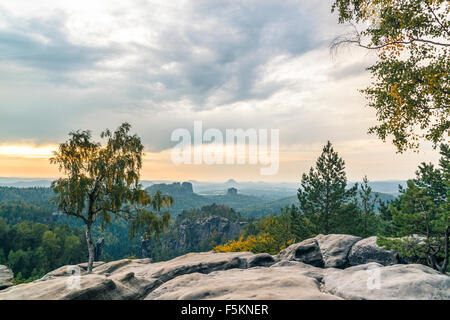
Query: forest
point(35, 238)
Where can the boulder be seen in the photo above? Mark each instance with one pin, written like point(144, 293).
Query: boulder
point(244, 275)
point(123, 279)
point(145, 248)
point(242, 284)
point(329, 251)
point(335, 249)
point(6, 277)
point(307, 251)
point(367, 250)
point(374, 281)
point(86, 287)
point(98, 250)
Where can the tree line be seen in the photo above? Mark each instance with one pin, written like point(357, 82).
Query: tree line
point(31, 249)
point(416, 224)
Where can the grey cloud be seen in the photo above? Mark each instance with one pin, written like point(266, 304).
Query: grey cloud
point(53, 53)
point(239, 38)
point(235, 39)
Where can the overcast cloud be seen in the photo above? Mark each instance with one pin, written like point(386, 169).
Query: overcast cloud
point(161, 65)
point(92, 64)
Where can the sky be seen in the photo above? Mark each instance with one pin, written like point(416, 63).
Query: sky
point(161, 65)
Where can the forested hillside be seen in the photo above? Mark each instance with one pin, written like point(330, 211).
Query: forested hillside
point(35, 238)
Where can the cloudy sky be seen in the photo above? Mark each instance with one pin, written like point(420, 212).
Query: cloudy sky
point(161, 65)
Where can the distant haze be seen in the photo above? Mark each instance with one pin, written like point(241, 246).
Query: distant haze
point(284, 189)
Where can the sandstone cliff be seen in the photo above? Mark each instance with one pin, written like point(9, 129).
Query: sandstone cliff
point(324, 267)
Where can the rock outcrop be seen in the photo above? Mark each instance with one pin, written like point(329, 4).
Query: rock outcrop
point(374, 281)
point(367, 250)
point(335, 249)
point(256, 283)
point(145, 248)
point(317, 268)
point(232, 192)
point(6, 277)
point(191, 234)
point(99, 246)
point(338, 251)
point(307, 251)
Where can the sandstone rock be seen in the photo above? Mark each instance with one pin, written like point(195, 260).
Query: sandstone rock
point(6, 277)
point(203, 262)
point(86, 287)
point(98, 250)
point(374, 281)
point(145, 248)
point(243, 275)
point(84, 265)
point(108, 268)
point(367, 250)
point(122, 279)
point(187, 187)
point(259, 260)
point(65, 271)
point(243, 284)
point(190, 233)
point(306, 269)
point(335, 249)
point(307, 251)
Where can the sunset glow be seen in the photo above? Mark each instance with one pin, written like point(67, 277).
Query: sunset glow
point(27, 150)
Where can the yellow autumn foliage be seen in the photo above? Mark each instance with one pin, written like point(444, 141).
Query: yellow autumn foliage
point(257, 244)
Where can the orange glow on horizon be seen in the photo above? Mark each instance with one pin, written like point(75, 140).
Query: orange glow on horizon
point(374, 159)
point(27, 150)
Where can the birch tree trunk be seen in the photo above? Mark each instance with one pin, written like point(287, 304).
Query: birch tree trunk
point(90, 245)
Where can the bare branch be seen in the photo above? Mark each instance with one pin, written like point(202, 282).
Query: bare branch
point(354, 37)
point(437, 19)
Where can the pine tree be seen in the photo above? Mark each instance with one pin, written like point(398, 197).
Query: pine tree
point(368, 200)
point(323, 192)
point(423, 209)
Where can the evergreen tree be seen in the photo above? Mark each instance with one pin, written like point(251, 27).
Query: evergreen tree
point(323, 192)
point(386, 227)
point(368, 200)
point(298, 225)
point(423, 210)
point(2, 256)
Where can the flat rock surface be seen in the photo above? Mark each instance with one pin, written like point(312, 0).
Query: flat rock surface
point(292, 274)
point(374, 281)
point(243, 284)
